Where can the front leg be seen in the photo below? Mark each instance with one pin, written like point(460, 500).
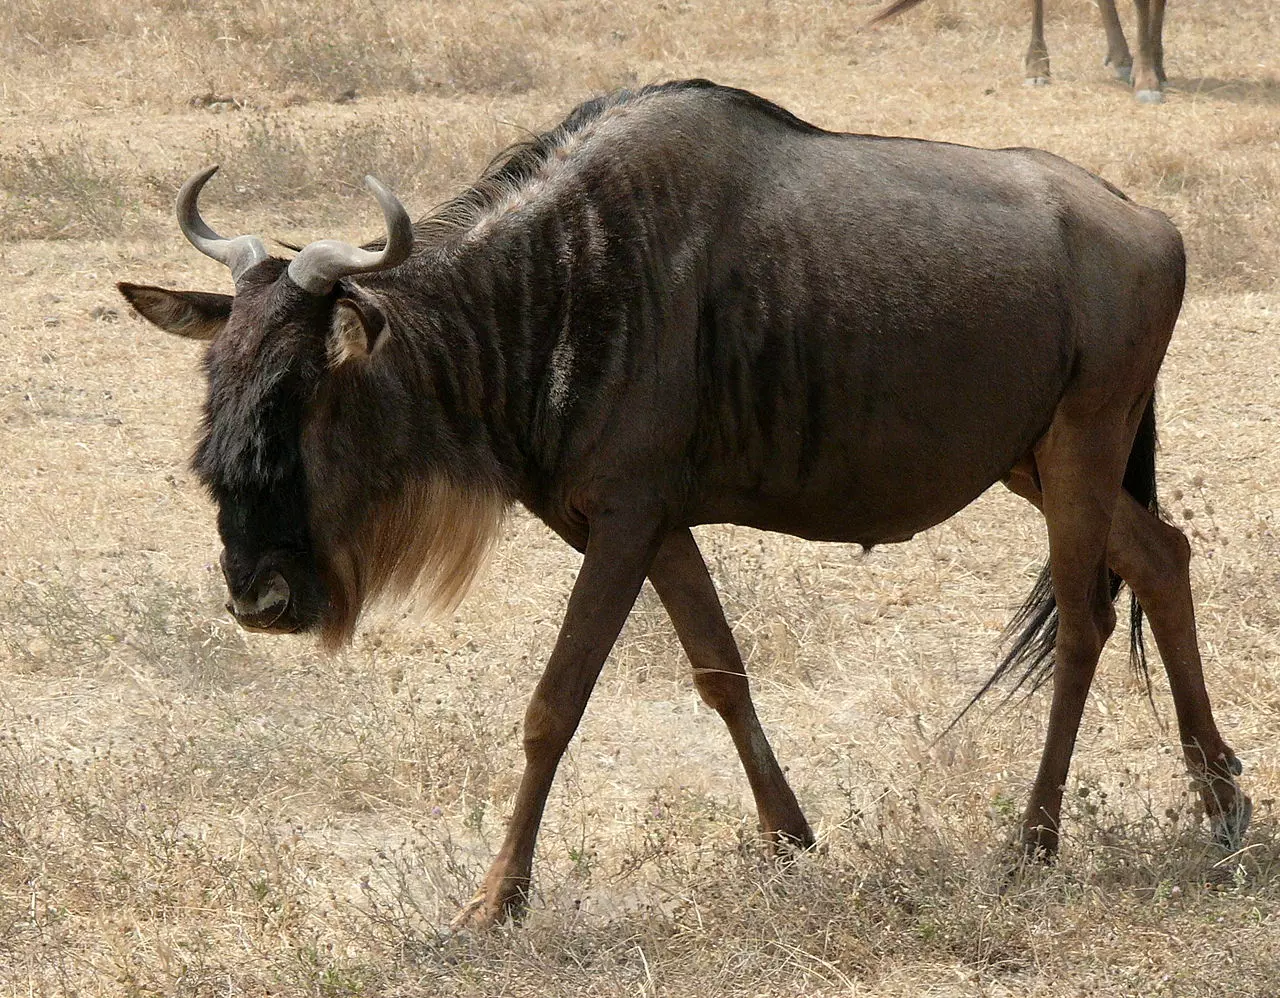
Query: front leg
point(1147, 78)
point(620, 548)
point(680, 576)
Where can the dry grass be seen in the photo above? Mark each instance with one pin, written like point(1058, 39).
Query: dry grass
point(186, 809)
point(64, 191)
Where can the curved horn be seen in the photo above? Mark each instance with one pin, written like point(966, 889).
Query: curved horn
point(320, 264)
point(239, 253)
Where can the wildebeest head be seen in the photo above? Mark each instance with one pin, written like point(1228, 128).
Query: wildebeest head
point(272, 349)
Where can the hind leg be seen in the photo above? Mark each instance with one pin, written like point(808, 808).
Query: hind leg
point(1037, 60)
point(1118, 56)
point(1154, 558)
point(680, 576)
point(1081, 466)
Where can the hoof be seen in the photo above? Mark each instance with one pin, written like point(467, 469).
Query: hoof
point(1036, 81)
point(1039, 847)
point(783, 850)
point(1230, 826)
point(788, 842)
point(475, 915)
point(1235, 766)
point(1028, 860)
point(1149, 96)
point(1122, 73)
point(480, 914)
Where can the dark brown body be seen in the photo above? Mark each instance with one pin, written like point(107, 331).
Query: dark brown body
point(686, 306)
point(860, 453)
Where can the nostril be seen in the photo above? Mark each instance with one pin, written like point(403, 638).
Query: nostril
point(266, 595)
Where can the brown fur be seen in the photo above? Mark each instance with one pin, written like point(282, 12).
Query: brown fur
point(428, 542)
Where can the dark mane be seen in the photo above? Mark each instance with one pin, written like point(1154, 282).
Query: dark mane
point(521, 161)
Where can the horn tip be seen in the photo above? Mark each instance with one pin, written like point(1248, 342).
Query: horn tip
point(195, 182)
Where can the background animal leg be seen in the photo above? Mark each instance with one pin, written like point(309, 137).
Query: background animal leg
point(680, 576)
point(619, 550)
point(1080, 470)
point(1118, 56)
point(1157, 40)
point(1146, 81)
point(1037, 61)
point(1154, 558)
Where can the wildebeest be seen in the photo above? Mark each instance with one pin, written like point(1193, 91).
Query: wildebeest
point(681, 306)
point(1146, 72)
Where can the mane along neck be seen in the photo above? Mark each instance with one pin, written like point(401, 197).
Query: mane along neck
point(518, 174)
point(501, 328)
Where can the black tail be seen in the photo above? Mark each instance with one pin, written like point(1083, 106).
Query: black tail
point(893, 10)
point(1034, 629)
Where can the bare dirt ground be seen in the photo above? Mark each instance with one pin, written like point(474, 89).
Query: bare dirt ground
point(188, 809)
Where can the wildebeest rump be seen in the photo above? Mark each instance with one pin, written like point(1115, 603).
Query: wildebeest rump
point(1145, 72)
point(681, 306)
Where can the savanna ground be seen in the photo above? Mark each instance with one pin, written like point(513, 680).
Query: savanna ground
point(188, 809)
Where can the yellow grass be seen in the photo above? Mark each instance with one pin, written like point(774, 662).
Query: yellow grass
point(188, 809)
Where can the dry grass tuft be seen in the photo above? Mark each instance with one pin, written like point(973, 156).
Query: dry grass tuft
point(64, 191)
point(54, 616)
point(279, 159)
point(41, 26)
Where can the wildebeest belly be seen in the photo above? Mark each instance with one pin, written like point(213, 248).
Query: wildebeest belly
point(868, 478)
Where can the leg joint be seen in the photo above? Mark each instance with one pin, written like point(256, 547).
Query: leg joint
point(1177, 552)
point(548, 727)
point(722, 690)
point(1166, 565)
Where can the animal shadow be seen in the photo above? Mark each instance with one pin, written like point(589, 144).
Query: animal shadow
point(1265, 92)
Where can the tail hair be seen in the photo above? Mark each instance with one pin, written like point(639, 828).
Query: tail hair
point(1032, 634)
point(893, 10)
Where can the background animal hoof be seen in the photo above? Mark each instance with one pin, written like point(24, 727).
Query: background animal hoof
point(1036, 81)
point(1122, 73)
point(1150, 97)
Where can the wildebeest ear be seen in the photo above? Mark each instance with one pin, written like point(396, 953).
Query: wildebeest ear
point(196, 315)
point(358, 324)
